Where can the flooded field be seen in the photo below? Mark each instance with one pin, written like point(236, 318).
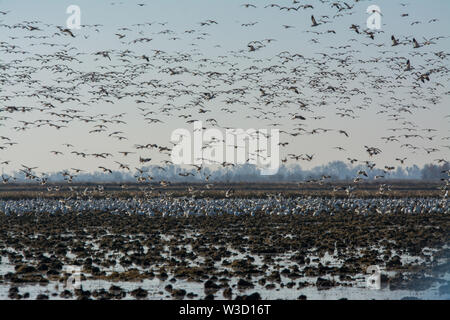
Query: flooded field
point(275, 248)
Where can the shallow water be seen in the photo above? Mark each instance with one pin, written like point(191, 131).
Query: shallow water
point(156, 286)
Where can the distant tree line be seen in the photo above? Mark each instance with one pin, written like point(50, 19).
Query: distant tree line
point(333, 171)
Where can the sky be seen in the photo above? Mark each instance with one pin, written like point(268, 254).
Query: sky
point(222, 42)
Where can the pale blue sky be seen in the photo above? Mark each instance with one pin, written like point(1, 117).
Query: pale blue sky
point(35, 143)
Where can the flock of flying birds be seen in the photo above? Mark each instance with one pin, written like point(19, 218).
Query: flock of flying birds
point(50, 82)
